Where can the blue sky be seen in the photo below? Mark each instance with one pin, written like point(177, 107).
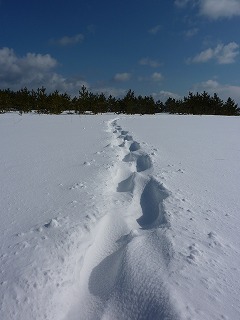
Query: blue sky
point(159, 48)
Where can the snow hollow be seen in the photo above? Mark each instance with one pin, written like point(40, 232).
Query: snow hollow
point(128, 217)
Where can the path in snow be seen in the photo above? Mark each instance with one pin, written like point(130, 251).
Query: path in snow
point(126, 270)
point(89, 232)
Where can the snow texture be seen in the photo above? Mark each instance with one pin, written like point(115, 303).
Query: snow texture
point(126, 218)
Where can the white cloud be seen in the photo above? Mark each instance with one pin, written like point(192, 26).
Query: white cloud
point(149, 62)
point(223, 54)
point(68, 85)
point(164, 95)
point(115, 92)
point(228, 53)
point(38, 61)
point(69, 40)
point(220, 8)
point(213, 9)
point(122, 77)
point(155, 29)
point(23, 69)
point(203, 56)
point(157, 76)
point(8, 63)
point(33, 71)
point(210, 84)
point(223, 90)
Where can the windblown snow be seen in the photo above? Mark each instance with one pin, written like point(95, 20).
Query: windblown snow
point(135, 217)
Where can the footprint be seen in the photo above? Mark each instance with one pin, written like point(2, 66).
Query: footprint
point(130, 157)
point(122, 145)
point(143, 162)
point(153, 212)
point(128, 138)
point(194, 253)
point(105, 275)
point(134, 146)
point(127, 185)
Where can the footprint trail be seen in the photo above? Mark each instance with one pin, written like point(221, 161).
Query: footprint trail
point(127, 268)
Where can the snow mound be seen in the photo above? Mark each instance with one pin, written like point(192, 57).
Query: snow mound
point(53, 223)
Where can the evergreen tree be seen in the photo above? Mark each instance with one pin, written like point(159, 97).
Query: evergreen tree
point(129, 103)
point(41, 101)
point(216, 106)
point(231, 108)
point(24, 100)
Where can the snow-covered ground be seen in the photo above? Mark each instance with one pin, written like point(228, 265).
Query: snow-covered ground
point(135, 217)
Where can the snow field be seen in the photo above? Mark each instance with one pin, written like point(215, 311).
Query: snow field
point(47, 210)
point(198, 161)
point(131, 218)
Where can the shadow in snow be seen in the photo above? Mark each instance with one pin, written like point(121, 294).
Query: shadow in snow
point(144, 162)
point(130, 157)
point(134, 146)
point(104, 276)
point(153, 212)
point(121, 145)
point(127, 185)
point(128, 138)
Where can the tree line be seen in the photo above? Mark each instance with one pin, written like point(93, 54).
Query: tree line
point(39, 101)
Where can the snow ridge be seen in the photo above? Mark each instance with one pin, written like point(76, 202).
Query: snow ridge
point(130, 279)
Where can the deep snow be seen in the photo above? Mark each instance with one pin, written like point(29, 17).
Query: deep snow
point(135, 217)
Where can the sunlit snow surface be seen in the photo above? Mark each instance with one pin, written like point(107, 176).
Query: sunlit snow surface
point(128, 217)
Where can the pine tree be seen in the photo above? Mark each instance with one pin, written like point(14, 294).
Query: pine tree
point(231, 108)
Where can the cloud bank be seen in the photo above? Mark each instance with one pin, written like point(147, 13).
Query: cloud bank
point(223, 90)
point(33, 71)
point(122, 77)
point(164, 95)
point(222, 54)
point(216, 9)
point(213, 9)
point(149, 62)
point(157, 76)
point(69, 40)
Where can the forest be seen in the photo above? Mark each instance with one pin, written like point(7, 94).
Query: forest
point(41, 102)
